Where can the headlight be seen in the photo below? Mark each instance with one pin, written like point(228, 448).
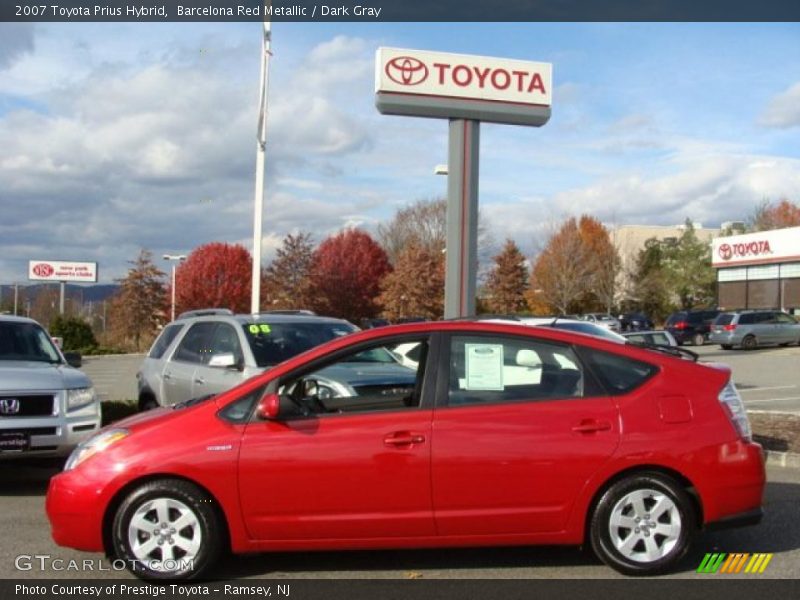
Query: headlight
point(93, 445)
point(80, 397)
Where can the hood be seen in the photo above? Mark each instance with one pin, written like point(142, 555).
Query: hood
point(26, 375)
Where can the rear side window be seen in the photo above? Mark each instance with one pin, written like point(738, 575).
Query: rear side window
point(696, 317)
point(164, 340)
point(724, 319)
point(618, 374)
point(747, 319)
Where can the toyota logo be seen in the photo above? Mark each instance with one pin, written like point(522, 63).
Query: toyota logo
point(725, 252)
point(406, 70)
point(43, 270)
point(9, 406)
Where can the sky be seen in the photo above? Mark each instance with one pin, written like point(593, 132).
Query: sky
point(120, 136)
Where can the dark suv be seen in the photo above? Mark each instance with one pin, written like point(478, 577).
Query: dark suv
point(691, 326)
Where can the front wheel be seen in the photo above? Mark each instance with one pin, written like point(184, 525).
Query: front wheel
point(167, 530)
point(643, 524)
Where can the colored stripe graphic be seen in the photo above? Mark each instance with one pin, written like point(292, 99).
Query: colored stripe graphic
point(711, 563)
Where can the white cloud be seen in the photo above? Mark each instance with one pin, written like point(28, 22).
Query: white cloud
point(783, 111)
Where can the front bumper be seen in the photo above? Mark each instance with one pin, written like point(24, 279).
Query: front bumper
point(75, 509)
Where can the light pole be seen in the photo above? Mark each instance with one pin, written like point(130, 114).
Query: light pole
point(175, 259)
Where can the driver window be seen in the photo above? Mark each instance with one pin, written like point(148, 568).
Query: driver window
point(379, 378)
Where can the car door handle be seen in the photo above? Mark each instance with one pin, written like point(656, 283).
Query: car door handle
point(167, 375)
point(591, 426)
point(199, 381)
point(403, 438)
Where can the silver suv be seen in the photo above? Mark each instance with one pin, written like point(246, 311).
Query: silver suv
point(753, 328)
point(206, 352)
point(47, 407)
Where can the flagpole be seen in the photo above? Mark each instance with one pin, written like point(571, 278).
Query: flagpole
point(261, 142)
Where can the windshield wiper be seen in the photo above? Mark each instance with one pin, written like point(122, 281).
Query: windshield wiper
point(671, 350)
point(192, 401)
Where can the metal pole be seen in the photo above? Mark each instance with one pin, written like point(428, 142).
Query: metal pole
point(61, 299)
point(173, 292)
point(16, 297)
point(261, 143)
point(462, 218)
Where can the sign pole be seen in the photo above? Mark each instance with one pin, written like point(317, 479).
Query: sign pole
point(462, 218)
point(63, 285)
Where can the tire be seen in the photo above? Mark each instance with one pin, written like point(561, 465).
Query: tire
point(194, 547)
point(750, 342)
point(698, 339)
point(726, 346)
point(635, 550)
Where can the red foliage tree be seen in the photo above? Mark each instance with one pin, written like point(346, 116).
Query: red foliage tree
point(346, 274)
point(776, 216)
point(215, 275)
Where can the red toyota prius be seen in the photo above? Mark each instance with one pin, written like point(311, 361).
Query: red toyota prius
point(459, 433)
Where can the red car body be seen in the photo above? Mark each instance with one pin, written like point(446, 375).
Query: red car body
point(500, 474)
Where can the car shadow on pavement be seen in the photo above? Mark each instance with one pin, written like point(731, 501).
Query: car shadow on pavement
point(18, 478)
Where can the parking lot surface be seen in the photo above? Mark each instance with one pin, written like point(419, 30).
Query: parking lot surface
point(26, 534)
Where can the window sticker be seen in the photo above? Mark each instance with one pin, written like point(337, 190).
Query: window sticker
point(264, 328)
point(253, 329)
point(484, 369)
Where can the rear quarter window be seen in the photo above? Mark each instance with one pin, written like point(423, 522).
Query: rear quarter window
point(618, 374)
point(725, 319)
point(164, 340)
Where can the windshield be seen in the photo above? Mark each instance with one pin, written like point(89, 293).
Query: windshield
point(273, 343)
point(26, 341)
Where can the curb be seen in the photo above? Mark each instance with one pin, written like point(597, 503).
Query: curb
point(789, 460)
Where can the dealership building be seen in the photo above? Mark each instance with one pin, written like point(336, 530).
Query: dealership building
point(758, 270)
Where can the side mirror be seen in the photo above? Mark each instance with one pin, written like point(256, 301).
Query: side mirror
point(73, 359)
point(269, 407)
point(225, 360)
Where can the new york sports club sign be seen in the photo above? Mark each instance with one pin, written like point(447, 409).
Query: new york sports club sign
point(438, 84)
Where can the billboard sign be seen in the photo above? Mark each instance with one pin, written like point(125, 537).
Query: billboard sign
point(59, 270)
point(760, 248)
point(460, 86)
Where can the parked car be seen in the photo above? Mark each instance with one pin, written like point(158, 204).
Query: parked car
point(691, 326)
point(571, 324)
point(655, 338)
point(753, 328)
point(635, 321)
point(47, 406)
point(603, 320)
point(627, 449)
point(209, 351)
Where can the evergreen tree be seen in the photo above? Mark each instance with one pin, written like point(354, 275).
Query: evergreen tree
point(508, 281)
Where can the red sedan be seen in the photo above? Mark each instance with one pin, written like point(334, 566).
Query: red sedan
point(476, 434)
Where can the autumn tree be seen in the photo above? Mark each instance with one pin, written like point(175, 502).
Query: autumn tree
point(415, 288)
point(508, 281)
point(563, 270)
point(346, 274)
point(138, 308)
point(775, 216)
point(423, 223)
point(605, 261)
point(76, 333)
point(215, 275)
point(286, 280)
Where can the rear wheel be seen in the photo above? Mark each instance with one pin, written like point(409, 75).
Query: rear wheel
point(167, 530)
point(698, 339)
point(643, 524)
point(750, 342)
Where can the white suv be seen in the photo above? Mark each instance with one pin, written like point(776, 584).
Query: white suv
point(47, 407)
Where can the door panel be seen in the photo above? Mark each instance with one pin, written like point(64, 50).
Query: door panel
point(177, 381)
point(337, 477)
point(517, 468)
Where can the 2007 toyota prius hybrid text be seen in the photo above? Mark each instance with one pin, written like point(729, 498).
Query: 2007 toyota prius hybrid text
point(495, 433)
